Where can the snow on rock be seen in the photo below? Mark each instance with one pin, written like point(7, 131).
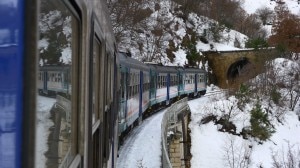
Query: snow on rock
point(180, 59)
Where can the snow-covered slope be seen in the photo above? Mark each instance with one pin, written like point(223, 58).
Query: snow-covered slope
point(252, 5)
point(175, 30)
point(212, 148)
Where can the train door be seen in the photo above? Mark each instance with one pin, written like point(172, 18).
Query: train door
point(195, 84)
point(153, 86)
point(141, 95)
point(96, 105)
point(180, 83)
point(168, 88)
point(123, 99)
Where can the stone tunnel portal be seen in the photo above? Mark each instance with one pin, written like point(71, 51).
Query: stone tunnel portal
point(238, 68)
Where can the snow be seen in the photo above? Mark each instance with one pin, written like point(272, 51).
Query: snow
point(251, 6)
point(209, 145)
point(43, 124)
point(216, 47)
point(143, 145)
point(180, 58)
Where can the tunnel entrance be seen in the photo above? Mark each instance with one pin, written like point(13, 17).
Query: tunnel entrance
point(238, 68)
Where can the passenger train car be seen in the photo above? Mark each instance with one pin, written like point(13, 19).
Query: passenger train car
point(66, 94)
point(146, 87)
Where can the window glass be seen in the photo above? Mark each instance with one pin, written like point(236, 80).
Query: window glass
point(57, 27)
point(95, 79)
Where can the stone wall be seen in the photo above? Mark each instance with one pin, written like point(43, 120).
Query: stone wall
point(220, 61)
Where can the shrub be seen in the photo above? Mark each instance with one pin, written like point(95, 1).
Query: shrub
point(275, 96)
point(256, 43)
point(203, 39)
point(260, 125)
point(243, 96)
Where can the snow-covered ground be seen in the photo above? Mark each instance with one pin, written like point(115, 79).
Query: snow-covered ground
point(210, 147)
point(43, 124)
point(142, 148)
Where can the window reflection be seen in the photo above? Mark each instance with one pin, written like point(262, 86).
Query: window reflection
point(54, 114)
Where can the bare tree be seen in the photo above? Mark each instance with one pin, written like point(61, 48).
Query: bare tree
point(128, 16)
point(237, 155)
point(265, 14)
point(288, 158)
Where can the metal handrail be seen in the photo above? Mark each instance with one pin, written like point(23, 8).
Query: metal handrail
point(170, 117)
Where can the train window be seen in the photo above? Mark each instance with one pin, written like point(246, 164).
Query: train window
point(158, 81)
point(122, 85)
point(95, 79)
point(129, 92)
point(56, 100)
point(112, 79)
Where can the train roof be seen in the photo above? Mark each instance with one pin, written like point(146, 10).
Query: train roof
point(164, 69)
point(54, 67)
point(130, 62)
point(194, 70)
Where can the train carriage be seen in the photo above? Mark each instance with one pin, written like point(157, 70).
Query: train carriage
point(135, 83)
point(193, 82)
point(164, 84)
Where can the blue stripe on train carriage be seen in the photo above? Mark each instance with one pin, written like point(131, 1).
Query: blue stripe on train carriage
point(11, 85)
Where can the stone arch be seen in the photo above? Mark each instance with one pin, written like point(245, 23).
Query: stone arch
point(237, 68)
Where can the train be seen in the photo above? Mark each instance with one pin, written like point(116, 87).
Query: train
point(67, 95)
point(147, 86)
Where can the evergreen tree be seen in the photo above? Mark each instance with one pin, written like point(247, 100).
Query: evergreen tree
point(260, 125)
